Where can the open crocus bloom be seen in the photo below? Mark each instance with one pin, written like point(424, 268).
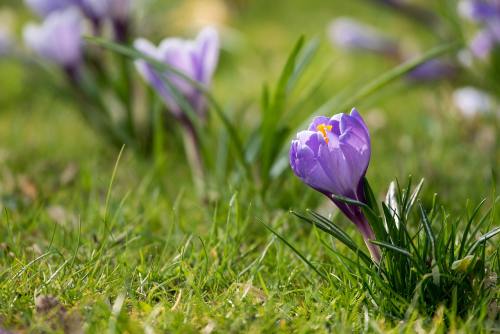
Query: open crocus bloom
point(58, 38)
point(197, 59)
point(333, 154)
point(332, 157)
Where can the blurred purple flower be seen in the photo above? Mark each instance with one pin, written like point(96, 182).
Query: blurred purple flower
point(486, 39)
point(332, 157)
point(431, 70)
point(197, 59)
point(482, 44)
point(58, 38)
point(350, 34)
point(119, 10)
point(46, 7)
point(487, 14)
point(119, 13)
point(95, 10)
point(479, 10)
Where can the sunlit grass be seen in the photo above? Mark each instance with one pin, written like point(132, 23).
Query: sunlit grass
point(147, 255)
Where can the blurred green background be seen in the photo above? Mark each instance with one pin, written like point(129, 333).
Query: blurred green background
point(416, 129)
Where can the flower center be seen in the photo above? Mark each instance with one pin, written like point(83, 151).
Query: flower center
point(323, 129)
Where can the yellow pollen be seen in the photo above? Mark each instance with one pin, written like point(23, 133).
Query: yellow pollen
point(323, 129)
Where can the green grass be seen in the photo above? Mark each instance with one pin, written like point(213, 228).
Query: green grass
point(144, 254)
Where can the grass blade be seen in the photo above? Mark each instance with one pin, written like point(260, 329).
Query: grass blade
point(393, 248)
point(483, 239)
point(302, 257)
point(467, 228)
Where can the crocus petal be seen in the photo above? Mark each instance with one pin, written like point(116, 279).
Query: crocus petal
point(151, 75)
point(207, 54)
point(177, 53)
point(46, 7)
point(58, 38)
point(195, 59)
point(95, 9)
point(482, 44)
point(119, 10)
point(318, 121)
point(332, 161)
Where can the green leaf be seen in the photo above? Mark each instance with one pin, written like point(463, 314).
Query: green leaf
point(273, 133)
point(392, 248)
point(462, 265)
point(370, 197)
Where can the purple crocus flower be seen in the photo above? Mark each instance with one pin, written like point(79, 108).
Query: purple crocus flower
point(352, 35)
point(486, 39)
point(46, 7)
point(95, 10)
point(479, 10)
point(332, 157)
point(434, 69)
point(119, 10)
point(58, 38)
point(487, 14)
point(119, 13)
point(197, 59)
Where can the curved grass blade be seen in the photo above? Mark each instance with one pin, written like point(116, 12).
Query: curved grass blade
point(336, 232)
point(393, 248)
point(397, 72)
point(467, 228)
point(483, 239)
point(413, 198)
point(302, 257)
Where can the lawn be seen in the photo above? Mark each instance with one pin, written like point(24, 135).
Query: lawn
point(97, 239)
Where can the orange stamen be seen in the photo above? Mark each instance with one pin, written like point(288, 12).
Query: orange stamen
point(323, 128)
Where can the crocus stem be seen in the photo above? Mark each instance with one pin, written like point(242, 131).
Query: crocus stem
point(367, 233)
point(127, 95)
point(191, 145)
point(121, 31)
point(73, 75)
